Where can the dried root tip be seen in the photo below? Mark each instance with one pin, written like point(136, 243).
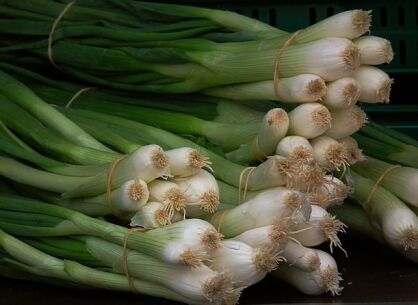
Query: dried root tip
point(331, 279)
point(313, 262)
point(279, 233)
point(355, 155)
point(357, 115)
point(211, 239)
point(316, 88)
point(219, 290)
point(301, 154)
point(136, 191)
point(341, 192)
point(387, 52)
point(175, 200)
point(159, 158)
point(162, 217)
point(277, 116)
point(321, 117)
point(410, 239)
point(313, 177)
point(292, 200)
point(266, 260)
point(189, 258)
point(337, 156)
point(351, 93)
point(331, 226)
point(286, 167)
point(198, 160)
point(351, 57)
point(383, 93)
point(209, 202)
point(362, 20)
point(318, 199)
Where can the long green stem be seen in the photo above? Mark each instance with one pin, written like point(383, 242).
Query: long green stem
point(226, 135)
point(49, 164)
point(22, 173)
point(223, 169)
point(23, 123)
point(155, 243)
point(23, 96)
point(404, 154)
point(38, 263)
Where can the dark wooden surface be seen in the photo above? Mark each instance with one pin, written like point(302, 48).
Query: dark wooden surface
point(372, 274)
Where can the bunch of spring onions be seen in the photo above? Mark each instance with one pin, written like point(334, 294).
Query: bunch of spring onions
point(386, 192)
point(165, 48)
point(273, 212)
point(177, 258)
point(280, 211)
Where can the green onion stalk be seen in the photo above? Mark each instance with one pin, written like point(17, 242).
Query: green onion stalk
point(28, 126)
point(400, 180)
point(177, 54)
point(148, 163)
point(48, 259)
point(386, 212)
point(357, 220)
point(267, 208)
point(224, 169)
point(188, 242)
point(227, 136)
point(51, 165)
point(23, 96)
point(396, 152)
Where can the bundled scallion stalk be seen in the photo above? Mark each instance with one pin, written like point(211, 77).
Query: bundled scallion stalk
point(181, 49)
point(398, 224)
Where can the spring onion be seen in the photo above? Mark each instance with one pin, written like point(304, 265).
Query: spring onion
point(397, 222)
point(201, 193)
point(244, 264)
point(329, 153)
point(325, 279)
point(345, 122)
point(375, 84)
point(341, 93)
point(320, 227)
point(309, 120)
point(374, 50)
point(302, 88)
point(267, 208)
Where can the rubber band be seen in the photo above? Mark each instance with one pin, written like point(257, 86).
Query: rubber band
point(376, 187)
point(256, 151)
point(54, 27)
point(279, 55)
point(220, 215)
point(244, 195)
point(77, 94)
point(125, 258)
point(241, 176)
point(109, 184)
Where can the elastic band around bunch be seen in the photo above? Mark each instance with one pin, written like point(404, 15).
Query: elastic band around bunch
point(221, 216)
point(376, 187)
point(256, 151)
point(125, 258)
point(247, 178)
point(109, 184)
point(276, 79)
point(53, 28)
